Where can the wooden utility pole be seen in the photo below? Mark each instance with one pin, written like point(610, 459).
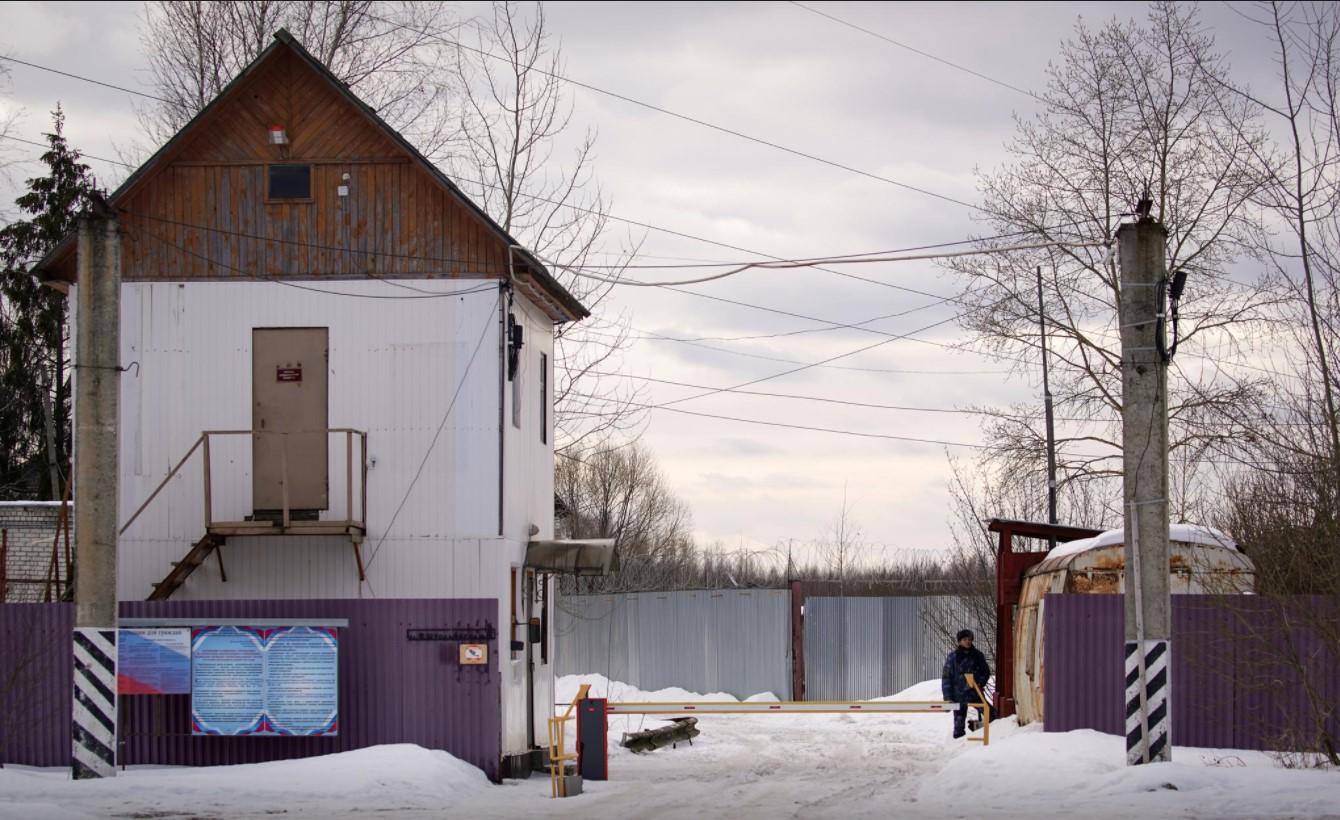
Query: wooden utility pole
point(97, 402)
point(1144, 419)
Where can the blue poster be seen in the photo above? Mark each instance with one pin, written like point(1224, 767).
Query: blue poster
point(264, 680)
point(153, 662)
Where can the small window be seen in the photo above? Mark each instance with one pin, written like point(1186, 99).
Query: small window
point(544, 398)
point(290, 182)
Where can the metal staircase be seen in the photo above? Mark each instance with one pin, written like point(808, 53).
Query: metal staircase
point(284, 522)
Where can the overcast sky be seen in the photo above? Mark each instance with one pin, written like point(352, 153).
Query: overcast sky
point(780, 72)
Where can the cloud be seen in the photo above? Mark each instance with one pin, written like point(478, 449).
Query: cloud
point(786, 75)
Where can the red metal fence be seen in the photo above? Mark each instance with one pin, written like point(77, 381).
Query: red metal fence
point(1248, 672)
point(391, 689)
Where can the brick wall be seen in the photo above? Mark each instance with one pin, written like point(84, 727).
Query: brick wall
point(29, 528)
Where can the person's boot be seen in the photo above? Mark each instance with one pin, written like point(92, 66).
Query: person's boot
point(974, 725)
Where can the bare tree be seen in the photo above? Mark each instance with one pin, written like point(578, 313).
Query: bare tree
point(620, 493)
point(1128, 110)
point(978, 492)
point(517, 112)
point(387, 53)
point(1282, 499)
point(844, 547)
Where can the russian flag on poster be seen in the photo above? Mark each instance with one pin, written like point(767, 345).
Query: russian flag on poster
point(154, 662)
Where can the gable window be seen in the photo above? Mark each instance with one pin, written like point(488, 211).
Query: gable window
point(544, 398)
point(289, 182)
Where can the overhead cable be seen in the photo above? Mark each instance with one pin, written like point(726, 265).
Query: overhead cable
point(785, 264)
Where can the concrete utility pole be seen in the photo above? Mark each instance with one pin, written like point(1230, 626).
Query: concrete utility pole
point(97, 404)
point(1144, 419)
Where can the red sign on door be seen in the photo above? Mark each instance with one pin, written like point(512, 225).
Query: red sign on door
point(288, 374)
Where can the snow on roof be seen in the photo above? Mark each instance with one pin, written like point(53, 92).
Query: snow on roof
point(1186, 533)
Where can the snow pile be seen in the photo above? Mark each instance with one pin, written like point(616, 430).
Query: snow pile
point(1185, 533)
point(602, 687)
point(399, 776)
point(1084, 772)
point(926, 690)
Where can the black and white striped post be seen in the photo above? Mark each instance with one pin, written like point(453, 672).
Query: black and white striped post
point(94, 724)
point(1146, 702)
point(1144, 417)
point(97, 374)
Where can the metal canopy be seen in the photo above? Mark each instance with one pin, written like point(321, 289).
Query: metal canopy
point(578, 556)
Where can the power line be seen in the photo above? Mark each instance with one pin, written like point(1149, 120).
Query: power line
point(855, 433)
point(660, 338)
point(809, 365)
point(719, 128)
point(84, 79)
point(613, 94)
point(81, 154)
point(650, 226)
point(915, 50)
point(797, 426)
point(805, 331)
point(289, 283)
point(785, 264)
point(845, 325)
point(824, 400)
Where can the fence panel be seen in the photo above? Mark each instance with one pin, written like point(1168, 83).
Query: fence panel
point(1248, 672)
point(857, 648)
point(733, 641)
point(392, 690)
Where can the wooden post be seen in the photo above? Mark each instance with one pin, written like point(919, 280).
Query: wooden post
point(209, 492)
point(363, 505)
point(797, 641)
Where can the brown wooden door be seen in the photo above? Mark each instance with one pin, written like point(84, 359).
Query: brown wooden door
point(290, 414)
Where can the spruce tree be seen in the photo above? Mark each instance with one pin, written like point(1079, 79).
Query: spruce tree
point(34, 372)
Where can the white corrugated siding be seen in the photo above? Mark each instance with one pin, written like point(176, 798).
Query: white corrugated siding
point(529, 470)
point(529, 486)
point(394, 366)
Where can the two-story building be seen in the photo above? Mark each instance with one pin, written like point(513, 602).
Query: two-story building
point(342, 374)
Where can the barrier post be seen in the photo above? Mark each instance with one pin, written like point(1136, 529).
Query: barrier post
point(985, 706)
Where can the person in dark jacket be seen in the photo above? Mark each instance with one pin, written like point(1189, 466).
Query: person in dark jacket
point(966, 659)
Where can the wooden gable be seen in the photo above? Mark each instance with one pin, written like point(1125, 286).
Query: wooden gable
point(200, 209)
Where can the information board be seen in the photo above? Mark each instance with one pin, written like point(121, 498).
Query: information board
point(264, 681)
point(153, 661)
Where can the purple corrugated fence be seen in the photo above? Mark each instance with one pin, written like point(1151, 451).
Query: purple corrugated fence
point(392, 689)
point(1248, 672)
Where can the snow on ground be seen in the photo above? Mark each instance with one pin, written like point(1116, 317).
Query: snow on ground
point(383, 777)
point(741, 766)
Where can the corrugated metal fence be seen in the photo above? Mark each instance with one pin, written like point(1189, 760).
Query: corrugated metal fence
point(735, 641)
point(391, 689)
point(739, 641)
point(860, 648)
point(1248, 672)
